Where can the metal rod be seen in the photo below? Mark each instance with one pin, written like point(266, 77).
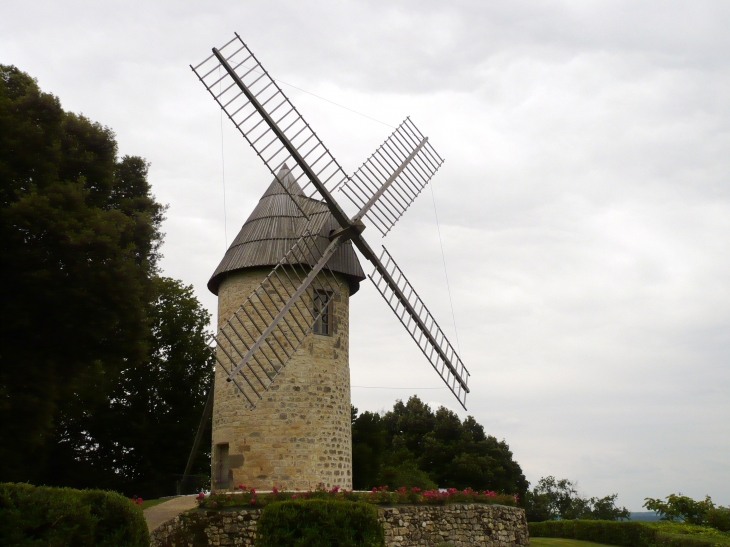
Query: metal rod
point(337, 212)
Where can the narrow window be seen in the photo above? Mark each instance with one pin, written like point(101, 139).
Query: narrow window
point(323, 312)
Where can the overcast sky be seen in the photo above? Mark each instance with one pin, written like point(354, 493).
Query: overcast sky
point(584, 204)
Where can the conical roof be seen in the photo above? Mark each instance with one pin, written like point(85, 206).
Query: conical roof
point(275, 225)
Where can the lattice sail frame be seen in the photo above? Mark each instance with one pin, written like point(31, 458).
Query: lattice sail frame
point(239, 334)
point(251, 124)
point(394, 174)
point(446, 362)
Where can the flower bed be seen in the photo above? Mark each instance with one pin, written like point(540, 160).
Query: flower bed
point(245, 497)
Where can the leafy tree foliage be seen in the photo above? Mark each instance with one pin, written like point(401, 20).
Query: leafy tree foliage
point(143, 433)
point(414, 446)
point(81, 305)
point(683, 508)
point(554, 499)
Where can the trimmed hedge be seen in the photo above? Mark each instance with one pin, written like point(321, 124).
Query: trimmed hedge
point(319, 523)
point(609, 532)
point(631, 534)
point(35, 516)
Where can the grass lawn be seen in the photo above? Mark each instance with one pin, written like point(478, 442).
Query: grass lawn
point(560, 542)
point(146, 504)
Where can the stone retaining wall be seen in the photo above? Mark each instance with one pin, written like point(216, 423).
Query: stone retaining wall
point(459, 525)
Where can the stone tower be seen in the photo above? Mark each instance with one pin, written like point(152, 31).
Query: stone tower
point(298, 436)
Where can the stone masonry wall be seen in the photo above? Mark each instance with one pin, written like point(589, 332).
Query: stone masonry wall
point(298, 436)
point(458, 525)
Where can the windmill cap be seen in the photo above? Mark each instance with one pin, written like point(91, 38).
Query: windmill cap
point(272, 229)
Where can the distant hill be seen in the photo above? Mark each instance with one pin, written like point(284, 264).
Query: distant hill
point(649, 516)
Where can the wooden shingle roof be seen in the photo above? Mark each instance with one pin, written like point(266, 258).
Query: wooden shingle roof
point(274, 226)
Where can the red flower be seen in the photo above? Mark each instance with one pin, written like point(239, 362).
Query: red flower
point(200, 496)
point(275, 490)
point(253, 500)
point(294, 497)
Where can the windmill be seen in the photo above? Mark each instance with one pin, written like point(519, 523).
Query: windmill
point(274, 424)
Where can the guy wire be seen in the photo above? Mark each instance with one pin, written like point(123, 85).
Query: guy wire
point(321, 98)
point(446, 274)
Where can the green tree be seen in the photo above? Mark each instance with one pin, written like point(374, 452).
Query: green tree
point(553, 499)
point(368, 449)
point(417, 446)
point(143, 435)
point(681, 508)
point(91, 339)
point(605, 508)
point(80, 237)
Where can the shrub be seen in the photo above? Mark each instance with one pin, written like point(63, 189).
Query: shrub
point(626, 534)
point(319, 523)
point(719, 518)
point(33, 516)
point(244, 497)
point(409, 475)
point(632, 534)
point(683, 534)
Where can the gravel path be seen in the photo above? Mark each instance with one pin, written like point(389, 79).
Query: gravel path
point(163, 512)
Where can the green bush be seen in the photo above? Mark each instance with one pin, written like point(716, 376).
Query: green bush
point(241, 497)
point(632, 534)
point(409, 475)
point(684, 534)
point(719, 518)
point(319, 523)
point(627, 534)
point(33, 516)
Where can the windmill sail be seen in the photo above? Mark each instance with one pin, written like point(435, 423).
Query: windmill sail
point(262, 335)
point(393, 176)
point(254, 101)
point(420, 324)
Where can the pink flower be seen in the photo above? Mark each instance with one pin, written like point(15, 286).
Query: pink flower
point(215, 502)
point(415, 489)
point(294, 497)
point(253, 500)
point(253, 491)
point(335, 489)
point(275, 490)
point(200, 496)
